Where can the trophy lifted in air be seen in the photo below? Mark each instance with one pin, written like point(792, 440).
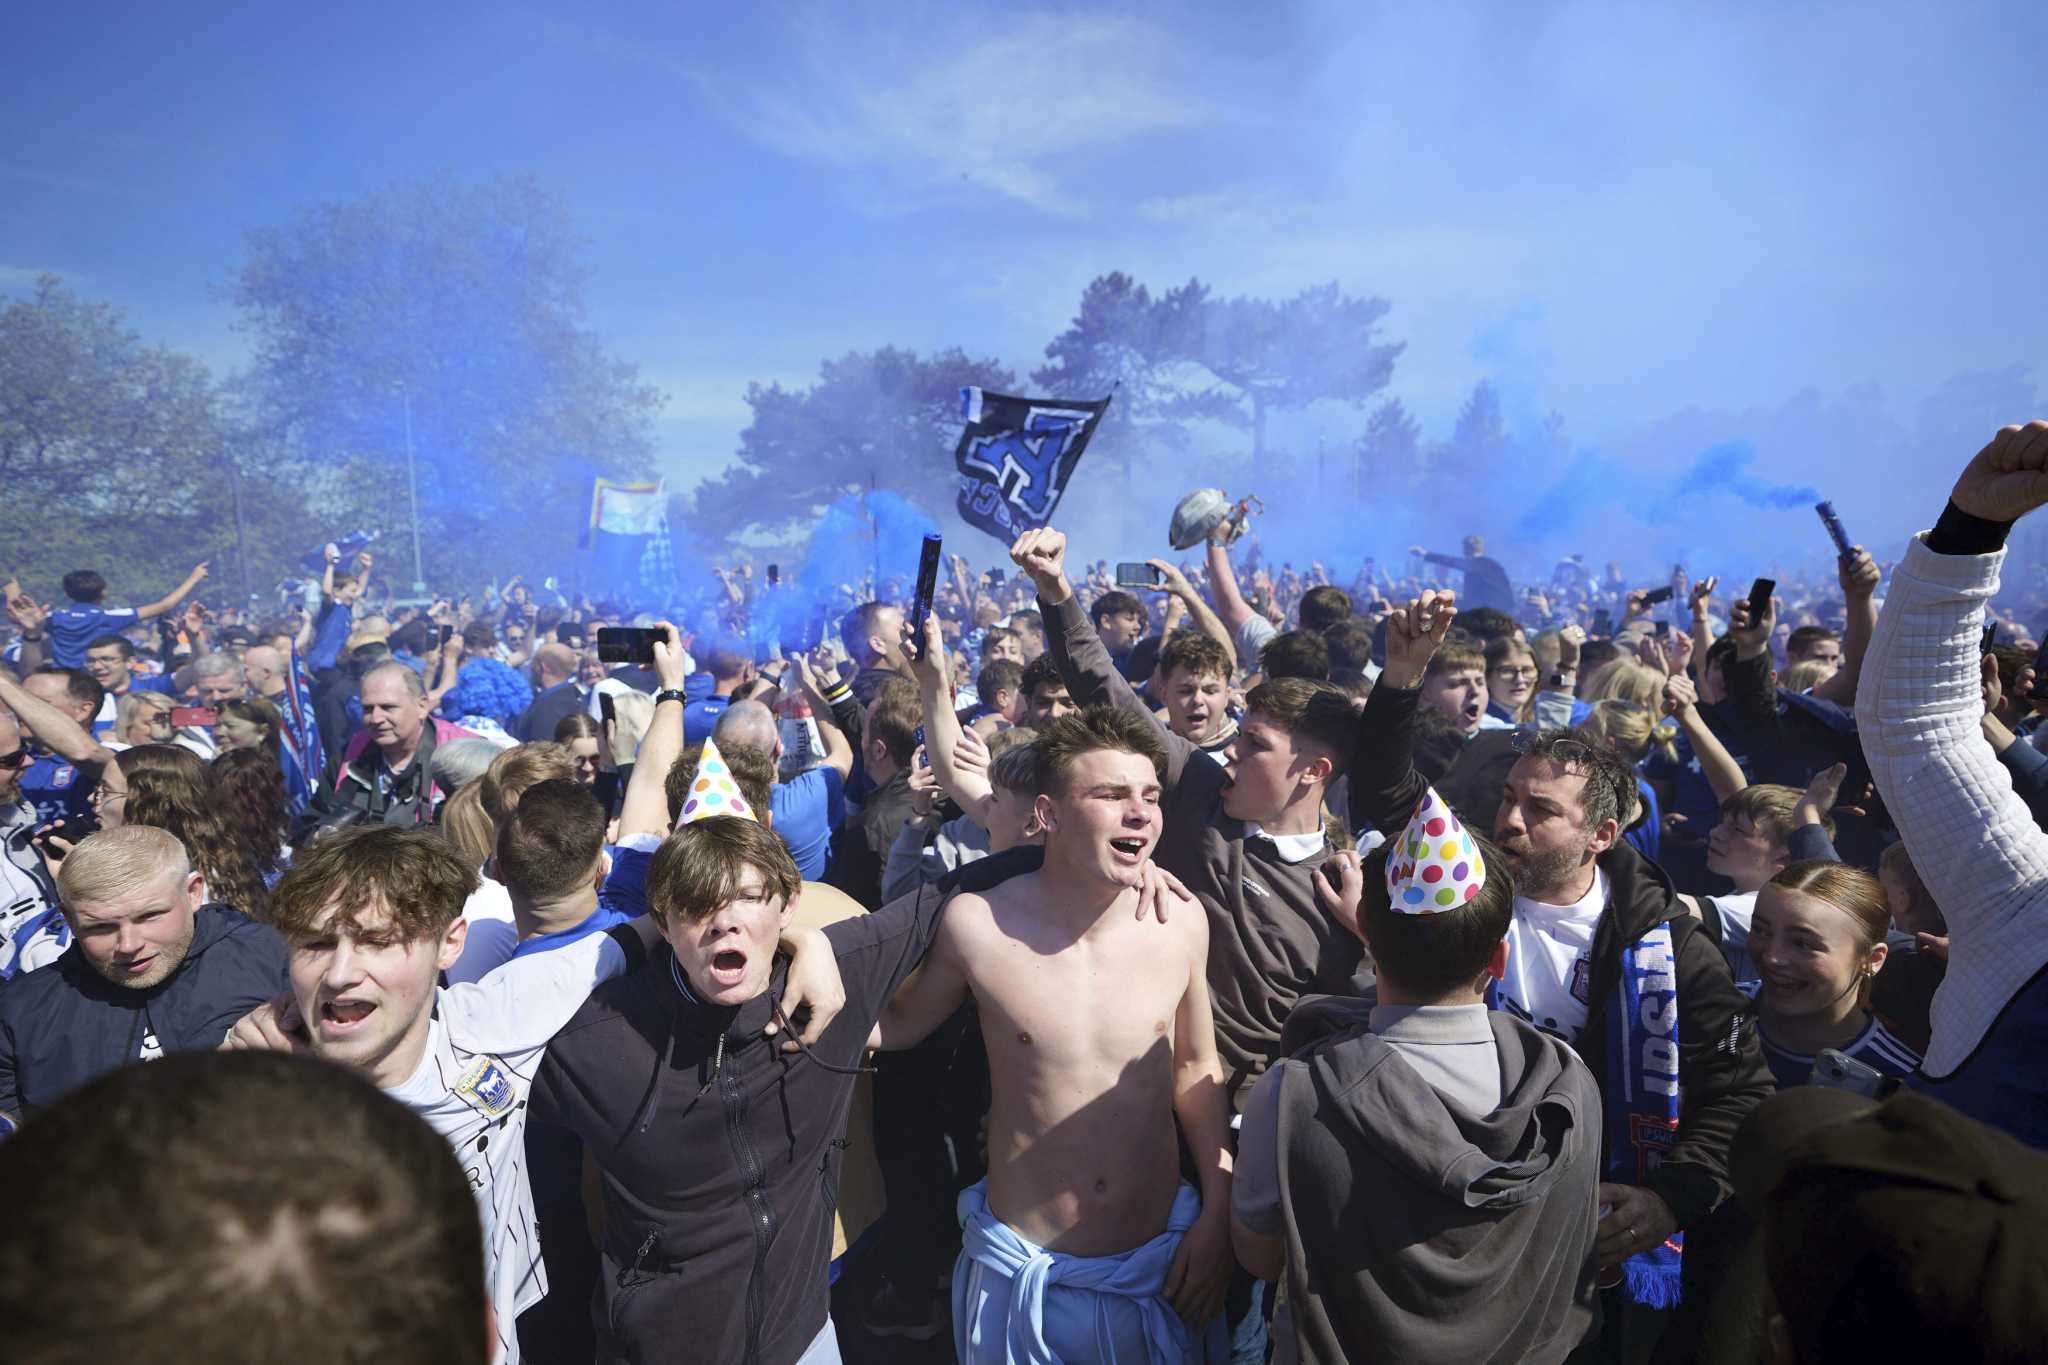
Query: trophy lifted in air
point(1205, 512)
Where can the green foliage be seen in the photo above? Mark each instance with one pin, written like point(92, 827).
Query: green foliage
point(885, 415)
point(460, 309)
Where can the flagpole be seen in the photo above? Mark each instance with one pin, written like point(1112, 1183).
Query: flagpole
point(875, 533)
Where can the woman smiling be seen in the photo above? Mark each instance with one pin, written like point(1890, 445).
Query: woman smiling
point(1818, 940)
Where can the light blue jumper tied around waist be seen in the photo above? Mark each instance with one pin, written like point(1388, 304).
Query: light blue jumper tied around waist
point(1018, 1304)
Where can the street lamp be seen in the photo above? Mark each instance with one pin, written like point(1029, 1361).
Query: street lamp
point(412, 490)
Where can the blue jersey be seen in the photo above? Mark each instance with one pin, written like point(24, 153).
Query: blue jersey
point(1874, 1047)
point(57, 789)
point(77, 624)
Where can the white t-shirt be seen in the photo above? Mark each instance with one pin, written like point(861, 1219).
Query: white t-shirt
point(1550, 960)
point(472, 1085)
point(1735, 913)
point(492, 933)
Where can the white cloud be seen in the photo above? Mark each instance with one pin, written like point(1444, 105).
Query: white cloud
point(990, 111)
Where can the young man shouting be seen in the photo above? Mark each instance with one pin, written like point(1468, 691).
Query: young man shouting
point(1098, 1033)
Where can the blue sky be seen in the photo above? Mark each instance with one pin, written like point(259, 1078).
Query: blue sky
point(1617, 211)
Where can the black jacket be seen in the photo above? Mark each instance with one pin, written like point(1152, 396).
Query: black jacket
point(720, 1154)
point(1721, 1069)
point(65, 1024)
point(538, 721)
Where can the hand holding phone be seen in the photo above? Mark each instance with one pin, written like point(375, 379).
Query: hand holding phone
point(627, 645)
point(1134, 575)
point(1657, 596)
point(927, 588)
point(1760, 599)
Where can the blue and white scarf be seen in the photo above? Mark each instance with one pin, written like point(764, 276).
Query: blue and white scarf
point(1643, 1096)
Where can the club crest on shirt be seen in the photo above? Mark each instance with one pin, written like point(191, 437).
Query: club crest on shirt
point(487, 1088)
point(1582, 981)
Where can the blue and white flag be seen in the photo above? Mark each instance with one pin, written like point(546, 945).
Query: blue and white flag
point(630, 537)
point(1015, 457)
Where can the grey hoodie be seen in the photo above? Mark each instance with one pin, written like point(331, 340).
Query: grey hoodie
point(1419, 1232)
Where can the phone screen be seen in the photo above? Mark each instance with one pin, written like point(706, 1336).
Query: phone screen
point(627, 645)
point(1138, 576)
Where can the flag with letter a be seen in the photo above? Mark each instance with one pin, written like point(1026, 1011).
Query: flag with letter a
point(1015, 457)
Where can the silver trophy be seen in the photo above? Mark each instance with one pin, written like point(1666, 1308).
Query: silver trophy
point(1206, 510)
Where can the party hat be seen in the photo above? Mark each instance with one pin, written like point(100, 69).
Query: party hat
point(1435, 866)
point(713, 792)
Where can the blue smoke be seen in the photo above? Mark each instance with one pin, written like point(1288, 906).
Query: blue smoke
point(1725, 469)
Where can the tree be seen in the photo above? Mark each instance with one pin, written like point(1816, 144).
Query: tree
point(1143, 349)
point(456, 311)
point(884, 417)
point(109, 448)
point(1389, 453)
point(1480, 438)
point(1318, 345)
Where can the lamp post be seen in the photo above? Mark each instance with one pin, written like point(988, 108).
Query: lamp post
point(412, 490)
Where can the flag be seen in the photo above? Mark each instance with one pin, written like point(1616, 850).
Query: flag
point(629, 535)
point(1015, 457)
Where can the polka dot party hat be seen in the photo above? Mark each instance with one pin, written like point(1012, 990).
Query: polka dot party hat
point(1435, 866)
point(713, 792)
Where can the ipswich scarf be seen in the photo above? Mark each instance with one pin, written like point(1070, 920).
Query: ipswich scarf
point(1643, 1096)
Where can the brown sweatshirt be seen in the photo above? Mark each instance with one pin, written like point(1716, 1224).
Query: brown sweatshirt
point(1270, 943)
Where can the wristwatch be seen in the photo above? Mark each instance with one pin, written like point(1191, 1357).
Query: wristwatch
point(671, 694)
point(1557, 679)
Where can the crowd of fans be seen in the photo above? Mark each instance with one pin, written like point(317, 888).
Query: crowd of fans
point(1237, 965)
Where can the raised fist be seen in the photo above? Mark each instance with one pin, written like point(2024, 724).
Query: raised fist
point(1042, 555)
point(2009, 477)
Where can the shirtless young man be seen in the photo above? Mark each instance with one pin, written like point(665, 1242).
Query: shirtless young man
point(1099, 1035)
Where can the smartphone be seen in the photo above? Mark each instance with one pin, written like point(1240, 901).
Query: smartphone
point(774, 574)
point(1603, 623)
point(447, 632)
point(70, 831)
point(924, 759)
point(927, 587)
point(763, 652)
point(1826, 512)
point(608, 709)
point(1657, 597)
point(193, 717)
point(1138, 576)
point(1760, 598)
point(1990, 637)
point(627, 645)
point(1837, 1070)
point(1663, 628)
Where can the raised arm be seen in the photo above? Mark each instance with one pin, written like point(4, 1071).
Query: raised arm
point(1385, 787)
point(1231, 608)
point(177, 594)
point(1085, 665)
point(59, 733)
point(644, 808)
point(1177, 587)
point(838, 749)
point(1860, 578)
point(942, 728)
point(1717, 765)
point(1919, 707)
point(33, 618)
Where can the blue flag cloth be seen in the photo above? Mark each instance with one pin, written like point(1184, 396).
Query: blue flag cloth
point(1015, 457)
point(350, 545)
